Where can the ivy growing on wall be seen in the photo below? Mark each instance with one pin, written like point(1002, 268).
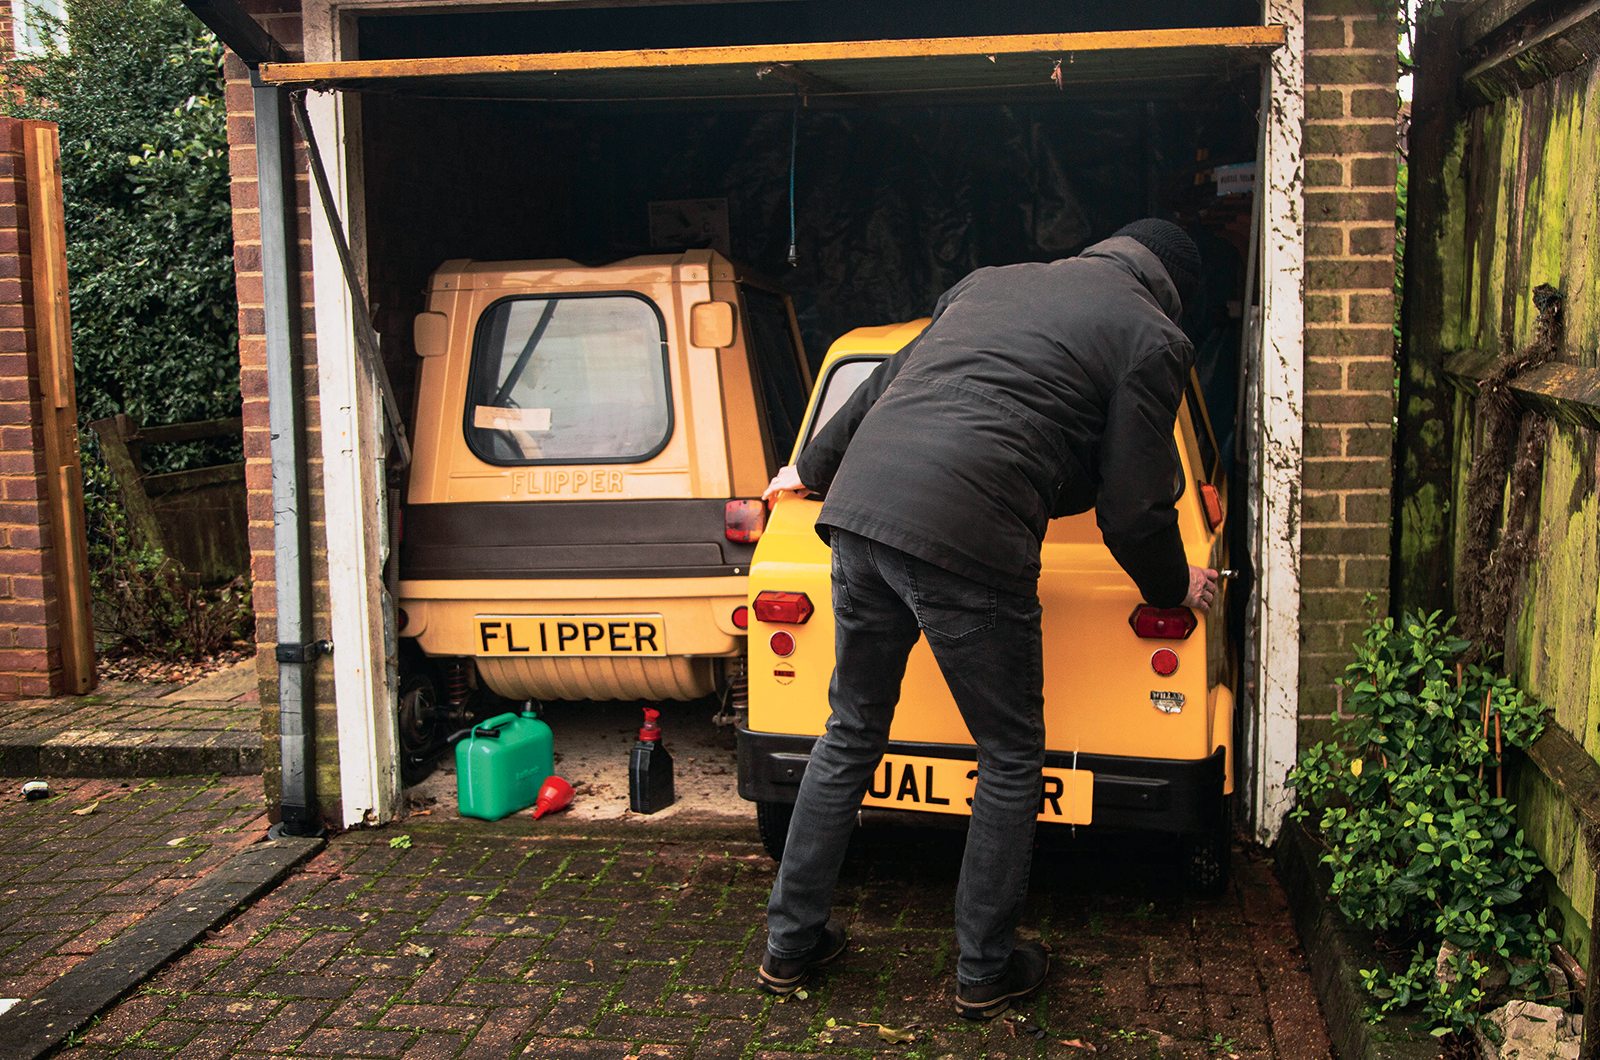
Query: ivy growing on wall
point(136, 87)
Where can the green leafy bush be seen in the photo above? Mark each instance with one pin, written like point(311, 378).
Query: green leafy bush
point(1418, 843)
point(138, 94)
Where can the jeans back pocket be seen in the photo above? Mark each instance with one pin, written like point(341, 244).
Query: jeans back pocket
point(947, 603)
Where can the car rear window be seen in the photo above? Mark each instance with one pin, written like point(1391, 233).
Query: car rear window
point(569, 379)
point(844, 379)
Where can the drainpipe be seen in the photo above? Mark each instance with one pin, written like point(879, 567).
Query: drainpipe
point(295, 653)
point(280, 278)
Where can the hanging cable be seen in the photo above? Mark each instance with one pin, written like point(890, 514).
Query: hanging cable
point(794, 146)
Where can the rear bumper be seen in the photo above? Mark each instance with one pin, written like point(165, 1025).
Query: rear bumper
point(1149, 794)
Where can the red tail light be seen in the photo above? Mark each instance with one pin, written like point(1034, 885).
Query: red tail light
point(791, 608)
point(1163, 623)
point(743, 521)
point(1213, 505)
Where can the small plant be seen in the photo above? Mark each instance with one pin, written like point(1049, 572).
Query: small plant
point(1419, 841)
point(1223, 1045)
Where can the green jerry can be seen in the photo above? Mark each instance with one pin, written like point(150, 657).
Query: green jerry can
point(501, 763)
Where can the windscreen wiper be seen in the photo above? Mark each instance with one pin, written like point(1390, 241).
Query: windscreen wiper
point(525, 356)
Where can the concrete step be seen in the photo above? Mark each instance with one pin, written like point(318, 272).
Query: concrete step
point(125, 728)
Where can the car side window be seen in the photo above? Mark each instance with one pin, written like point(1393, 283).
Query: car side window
point(843, 380)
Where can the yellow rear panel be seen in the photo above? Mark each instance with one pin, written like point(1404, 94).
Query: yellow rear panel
point(1098, 674)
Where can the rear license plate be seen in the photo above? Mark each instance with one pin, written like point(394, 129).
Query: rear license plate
point(621, 635)
point(945, 785)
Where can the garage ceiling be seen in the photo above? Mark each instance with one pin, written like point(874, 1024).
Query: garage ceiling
point(1166, 62)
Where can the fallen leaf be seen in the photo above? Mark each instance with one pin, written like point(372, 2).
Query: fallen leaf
point(1079, 1043)
point(801, 994)
point(178, 842)
point(891, 1034)
point(400, 842)
point(84, 811)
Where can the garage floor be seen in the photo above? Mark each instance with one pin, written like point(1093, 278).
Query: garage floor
point(592, 741)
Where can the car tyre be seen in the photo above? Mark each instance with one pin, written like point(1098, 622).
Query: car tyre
point(1207, 856)
point(421, 728)
point(772, 819)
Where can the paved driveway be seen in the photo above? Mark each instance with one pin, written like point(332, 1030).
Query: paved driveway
point(586, 939)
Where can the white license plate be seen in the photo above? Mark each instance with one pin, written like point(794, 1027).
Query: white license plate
point(618, 635)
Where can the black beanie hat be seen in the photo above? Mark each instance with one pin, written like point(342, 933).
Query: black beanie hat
point(1175, 249)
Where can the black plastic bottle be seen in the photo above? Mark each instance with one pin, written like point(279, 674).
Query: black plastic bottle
point(650, 769)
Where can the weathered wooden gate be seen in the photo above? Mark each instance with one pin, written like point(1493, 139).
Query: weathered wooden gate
point(1496, 510)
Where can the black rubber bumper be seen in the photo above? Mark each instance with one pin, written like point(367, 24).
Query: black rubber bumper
point(1154, 794)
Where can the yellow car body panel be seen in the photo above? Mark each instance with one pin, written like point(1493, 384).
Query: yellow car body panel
point(1099, 677)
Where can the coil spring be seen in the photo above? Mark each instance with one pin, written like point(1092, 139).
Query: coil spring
point(457, 687)
point(736, 698)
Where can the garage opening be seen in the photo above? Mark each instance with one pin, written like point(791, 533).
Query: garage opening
point(859, 168)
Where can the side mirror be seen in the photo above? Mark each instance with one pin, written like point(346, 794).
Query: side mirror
point(711, 324)
point(430, 334)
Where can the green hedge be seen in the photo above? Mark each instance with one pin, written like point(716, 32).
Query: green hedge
point(136, 87)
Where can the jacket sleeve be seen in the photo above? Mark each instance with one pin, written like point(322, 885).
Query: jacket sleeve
point(1138, 468)
point(820, 459)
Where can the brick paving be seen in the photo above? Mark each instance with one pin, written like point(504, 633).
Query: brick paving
point(128, 728)
point(424, 940)
point(70, 881)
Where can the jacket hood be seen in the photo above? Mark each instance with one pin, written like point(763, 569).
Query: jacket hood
point(1145, 267)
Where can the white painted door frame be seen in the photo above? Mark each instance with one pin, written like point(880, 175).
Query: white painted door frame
point(1276, 425)
point(353, 479)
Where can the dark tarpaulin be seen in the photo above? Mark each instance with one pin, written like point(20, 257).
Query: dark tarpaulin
point(892, 206)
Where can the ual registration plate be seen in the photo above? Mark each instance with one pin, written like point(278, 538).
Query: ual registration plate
point(621, 635)
point(945, 785)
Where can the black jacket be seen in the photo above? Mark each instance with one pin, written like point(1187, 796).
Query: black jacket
point(1037, 391)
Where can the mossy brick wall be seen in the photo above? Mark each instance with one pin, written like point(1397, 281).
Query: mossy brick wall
point(1350, 71)
point(282, 19)
point(30, 630)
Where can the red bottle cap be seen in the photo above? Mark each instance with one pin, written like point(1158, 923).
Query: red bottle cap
point(651, 730)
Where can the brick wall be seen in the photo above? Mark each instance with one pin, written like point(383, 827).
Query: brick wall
point(282, 20)
point(1349, 311)
point(30, 633)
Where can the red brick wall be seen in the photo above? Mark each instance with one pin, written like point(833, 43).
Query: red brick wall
point(30, 633)
point(1350, 70)
point(282, 20)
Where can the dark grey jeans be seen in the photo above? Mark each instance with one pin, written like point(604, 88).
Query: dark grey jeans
point(988, 645)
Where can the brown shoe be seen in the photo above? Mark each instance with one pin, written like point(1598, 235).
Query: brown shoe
point(784, 975)
point(1030, 963)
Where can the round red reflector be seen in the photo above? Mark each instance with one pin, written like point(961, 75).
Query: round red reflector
point(741, 617)
point(404, 619)
point(782, 643)
point(1164, 662)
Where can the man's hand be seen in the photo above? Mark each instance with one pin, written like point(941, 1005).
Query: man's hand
point(1202, 587)
point(787, 478)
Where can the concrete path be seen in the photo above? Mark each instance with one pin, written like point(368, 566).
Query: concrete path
point(126, 729)
point(591, 939)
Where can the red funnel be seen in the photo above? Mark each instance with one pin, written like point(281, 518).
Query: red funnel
point(555, 795)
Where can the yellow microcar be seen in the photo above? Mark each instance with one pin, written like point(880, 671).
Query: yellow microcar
point(1138, 700)
point(591, 444)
